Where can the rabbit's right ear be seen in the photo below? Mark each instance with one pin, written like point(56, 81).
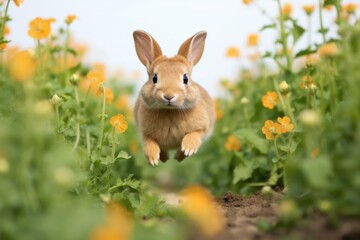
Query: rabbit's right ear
point(146, 47)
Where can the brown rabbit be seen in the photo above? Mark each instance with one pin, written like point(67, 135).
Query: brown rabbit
point(172, 111)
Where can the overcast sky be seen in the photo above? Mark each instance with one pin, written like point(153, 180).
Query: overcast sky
point(107, 26)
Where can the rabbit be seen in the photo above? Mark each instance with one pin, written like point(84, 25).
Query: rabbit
point(172, 112)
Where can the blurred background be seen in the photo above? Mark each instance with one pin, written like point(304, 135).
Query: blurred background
point(106, 28)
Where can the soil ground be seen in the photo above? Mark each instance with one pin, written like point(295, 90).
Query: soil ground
point(244, 213)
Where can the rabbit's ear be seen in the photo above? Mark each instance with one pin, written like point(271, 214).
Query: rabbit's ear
point(146, 47)
point(193, 48)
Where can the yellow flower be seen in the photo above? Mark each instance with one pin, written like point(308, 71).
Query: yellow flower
point(50, 20)
point(95, 78)
point(287, 9)
point(306, 81)
point(70, 18)
point(247, 1)
point(18, 2)
point(254, 56)
point(119, 123)
point(201, 208)
point(328, 7)
point(99, 67)
point(350, 8)
point(39, 28)
point(118, 225)
point(271, 129)
point(232, 52)
point(109, 96)
point(22, 66)
point(232, 144)
point(133, 147)
point(270, 100)
point(253, 39)
point(328, 50)
point(286, 126)
point(6, 30)
point(309, 9)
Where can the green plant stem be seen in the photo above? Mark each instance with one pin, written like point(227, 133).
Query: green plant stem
point(289, 110)
point(102, 118)
point(57, 115)
point(4, 20)
point(322, 29)
point(113, 145)
point(66, 47)
point(88, 144)
point(39, 58)
point(283, 37)
point(276, 148)
point(77, 139)
point(309, 31)
point(246, 114)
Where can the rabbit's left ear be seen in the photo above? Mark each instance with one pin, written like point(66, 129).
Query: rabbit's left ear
point(193, 48)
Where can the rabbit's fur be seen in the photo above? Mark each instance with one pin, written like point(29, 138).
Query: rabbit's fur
point(172, 111)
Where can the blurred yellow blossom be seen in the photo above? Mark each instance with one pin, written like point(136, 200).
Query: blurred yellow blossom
point(95, 78)
point(218, 110)
point(306, 81)
point(6, 30)
point(201, 208)
point(232, 143)
point(309, 8)
point(254, 56)
point(109, 95)
point(247, 1)
point(271, 129)
point(253, 40)
point(70, 18)
point(118, 226)
point(286, 126)
point(287, 9)
point(18, 2)
point(232, 52)
point(310, 118)
point(270, 100)
point(350, 8)
point(119, 123)
point(328, 7)
point(328, 50)
point(39, 28)
point(22, 66)
point(133, 147)
point(284, 87)
point(4, 164)
point(122, 102)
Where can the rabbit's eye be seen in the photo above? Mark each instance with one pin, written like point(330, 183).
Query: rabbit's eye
point(185, 79)
point(155, 78)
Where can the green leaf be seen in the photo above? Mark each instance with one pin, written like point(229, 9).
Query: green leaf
point(317, 171)
point(242, 172)
point(72, 51)
point(297, 31)
point(289, 149)
point(250, 136)
point(75, 68)
point(268, 26)
point(267, 54)
point(305, 52)
point(123, 155)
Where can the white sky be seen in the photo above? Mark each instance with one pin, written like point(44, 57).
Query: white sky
point(107, 26)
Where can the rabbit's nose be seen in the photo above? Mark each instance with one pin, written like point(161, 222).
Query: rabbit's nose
point(168, 97)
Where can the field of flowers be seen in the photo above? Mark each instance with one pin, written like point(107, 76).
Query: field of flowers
point(72, 166)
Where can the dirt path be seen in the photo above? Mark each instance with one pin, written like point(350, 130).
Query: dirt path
point(244, 213)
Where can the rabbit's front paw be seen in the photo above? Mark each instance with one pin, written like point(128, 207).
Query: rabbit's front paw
point(152, 153)
point(190, 144)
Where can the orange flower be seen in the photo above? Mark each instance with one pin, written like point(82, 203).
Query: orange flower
point(119, 123)
point(247, 1)
point(201, 208)
point(271, 130)
point(133, 147)
point(18, 2)
point(122, 102)
point(287, 9)
point(6, 30)
point(95, 78)
point(306, 81)
point(39, 28)
point(99, 67)
point(232, 52)
point(350, 8)
point(3, 45)
point(253, 39)
point(232, 144)
point(70, 18)
point(328, 7)
point(328, 50)
point(118, 225)
point(50, 20)
point(286, 126)
point(22, 66)
point(109, 96)
point(218, 111)
point(254, 56)
point(309, 9)
point(270, 100)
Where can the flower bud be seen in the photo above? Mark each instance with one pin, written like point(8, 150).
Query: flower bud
point(310, 118)
point(284, 87)
point(64, 176)
point(4, 164)
point(74, 79)
point(56, 100)
point(244, 101)
point(266, 190)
